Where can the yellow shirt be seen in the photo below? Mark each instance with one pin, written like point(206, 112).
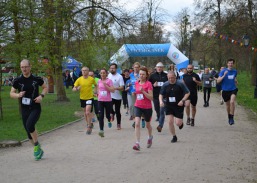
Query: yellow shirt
point(86, 91)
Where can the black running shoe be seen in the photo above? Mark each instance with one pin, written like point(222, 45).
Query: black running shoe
point(174, 139)
point(181, 126)
point(188, 121)
point(192, 122)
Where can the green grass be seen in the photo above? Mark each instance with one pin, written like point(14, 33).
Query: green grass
point(54, 114)
point(245, 96)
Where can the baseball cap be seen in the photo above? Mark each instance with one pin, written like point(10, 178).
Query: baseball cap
point(159, 64)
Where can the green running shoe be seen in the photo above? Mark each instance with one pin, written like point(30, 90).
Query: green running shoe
point(38, 152)
point(101, 133)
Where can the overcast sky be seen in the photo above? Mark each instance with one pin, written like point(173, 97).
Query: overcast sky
point(171, 6)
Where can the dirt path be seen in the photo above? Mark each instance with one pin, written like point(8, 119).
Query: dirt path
point(210, 152)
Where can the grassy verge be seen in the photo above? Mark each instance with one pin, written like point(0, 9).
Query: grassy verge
point(54, 114)
point(245, 96)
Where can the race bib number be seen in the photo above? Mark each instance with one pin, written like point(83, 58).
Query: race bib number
point(89, 102)
point(140, 96)
point(207, 82)
point(230, 76)
point(172, 99)
point(159, 83)
point(26, 101)
point(103, 93)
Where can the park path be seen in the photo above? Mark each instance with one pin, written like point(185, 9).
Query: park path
point(210, 152)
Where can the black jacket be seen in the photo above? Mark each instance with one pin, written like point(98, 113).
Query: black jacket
point(157, 77)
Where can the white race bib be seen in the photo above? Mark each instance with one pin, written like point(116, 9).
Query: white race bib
point(26, 101)
point(89, 102)
point(140, 96)
point(207, 82)
point(230, 76)
point(159, 83)
point(103, 93)
point(172, 99)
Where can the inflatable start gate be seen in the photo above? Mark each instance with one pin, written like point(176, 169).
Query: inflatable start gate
point(150, 50)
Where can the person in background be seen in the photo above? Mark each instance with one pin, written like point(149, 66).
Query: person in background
point(67, 79)
point(174, 69)
point(200, 74)
point(157, 79)
point(95, 101)
point(218, 86)
point(143, 106)
point(207, 79)
point(27, 86)
point(227, 78)
point(126, 77)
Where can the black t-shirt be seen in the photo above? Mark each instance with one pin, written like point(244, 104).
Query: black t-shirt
point(176, 91)
point(192, 86)
point(160, 78)
point(30, 85)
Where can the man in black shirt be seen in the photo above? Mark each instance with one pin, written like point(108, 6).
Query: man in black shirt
point(157, 79)
point(27, 86)
point(191, 80)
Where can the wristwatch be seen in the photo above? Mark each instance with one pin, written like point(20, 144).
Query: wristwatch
point(42, 95)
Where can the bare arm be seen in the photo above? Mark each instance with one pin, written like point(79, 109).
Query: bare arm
point(148, 94)
point(14, 94)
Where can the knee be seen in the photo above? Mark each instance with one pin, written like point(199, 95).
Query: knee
point(30, 128)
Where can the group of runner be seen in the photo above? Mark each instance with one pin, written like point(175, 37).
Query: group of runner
point(169, 92)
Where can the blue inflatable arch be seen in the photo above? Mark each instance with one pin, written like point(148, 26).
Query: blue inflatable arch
point(150, 50)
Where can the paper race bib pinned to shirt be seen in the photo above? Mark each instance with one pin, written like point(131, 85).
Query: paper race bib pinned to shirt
point(26, 101)
point(172, 99)
point(140, 96)
point(230, 76)
point(89, 102)
point(159, 83)
point(207, 82)
point(103, 93)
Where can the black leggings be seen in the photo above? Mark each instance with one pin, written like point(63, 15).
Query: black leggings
point(30, 117)
point(208, 91)
point(96, 108)
point(107, 106)
point(117, 104)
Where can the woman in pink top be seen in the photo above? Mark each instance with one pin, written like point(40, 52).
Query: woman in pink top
point(105, 87)
point(143, 106)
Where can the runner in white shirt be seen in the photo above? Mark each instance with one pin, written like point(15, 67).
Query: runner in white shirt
point(118, 84)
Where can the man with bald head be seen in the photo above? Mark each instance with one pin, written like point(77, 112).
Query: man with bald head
point(192, 80)
point(26, 89)
point(174, 93)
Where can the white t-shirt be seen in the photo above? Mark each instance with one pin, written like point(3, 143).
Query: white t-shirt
point(117, 82)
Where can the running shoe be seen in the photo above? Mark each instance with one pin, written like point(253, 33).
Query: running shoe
point(93, 120)
point(38, 152)
point(131, 118)
point(109, 124)
point(231, 121)
point(207, 104)
point(136, 147)
point(133, 125)
point(159, 128)
point(89, 129)
point(143, 123)
point(181, 126)
point(174, 139)
point(118, 127)
point(149, 142)
point(126, 113)
point(192, 122)
point(221, 102)
point(101, 133)
point(188, 121)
